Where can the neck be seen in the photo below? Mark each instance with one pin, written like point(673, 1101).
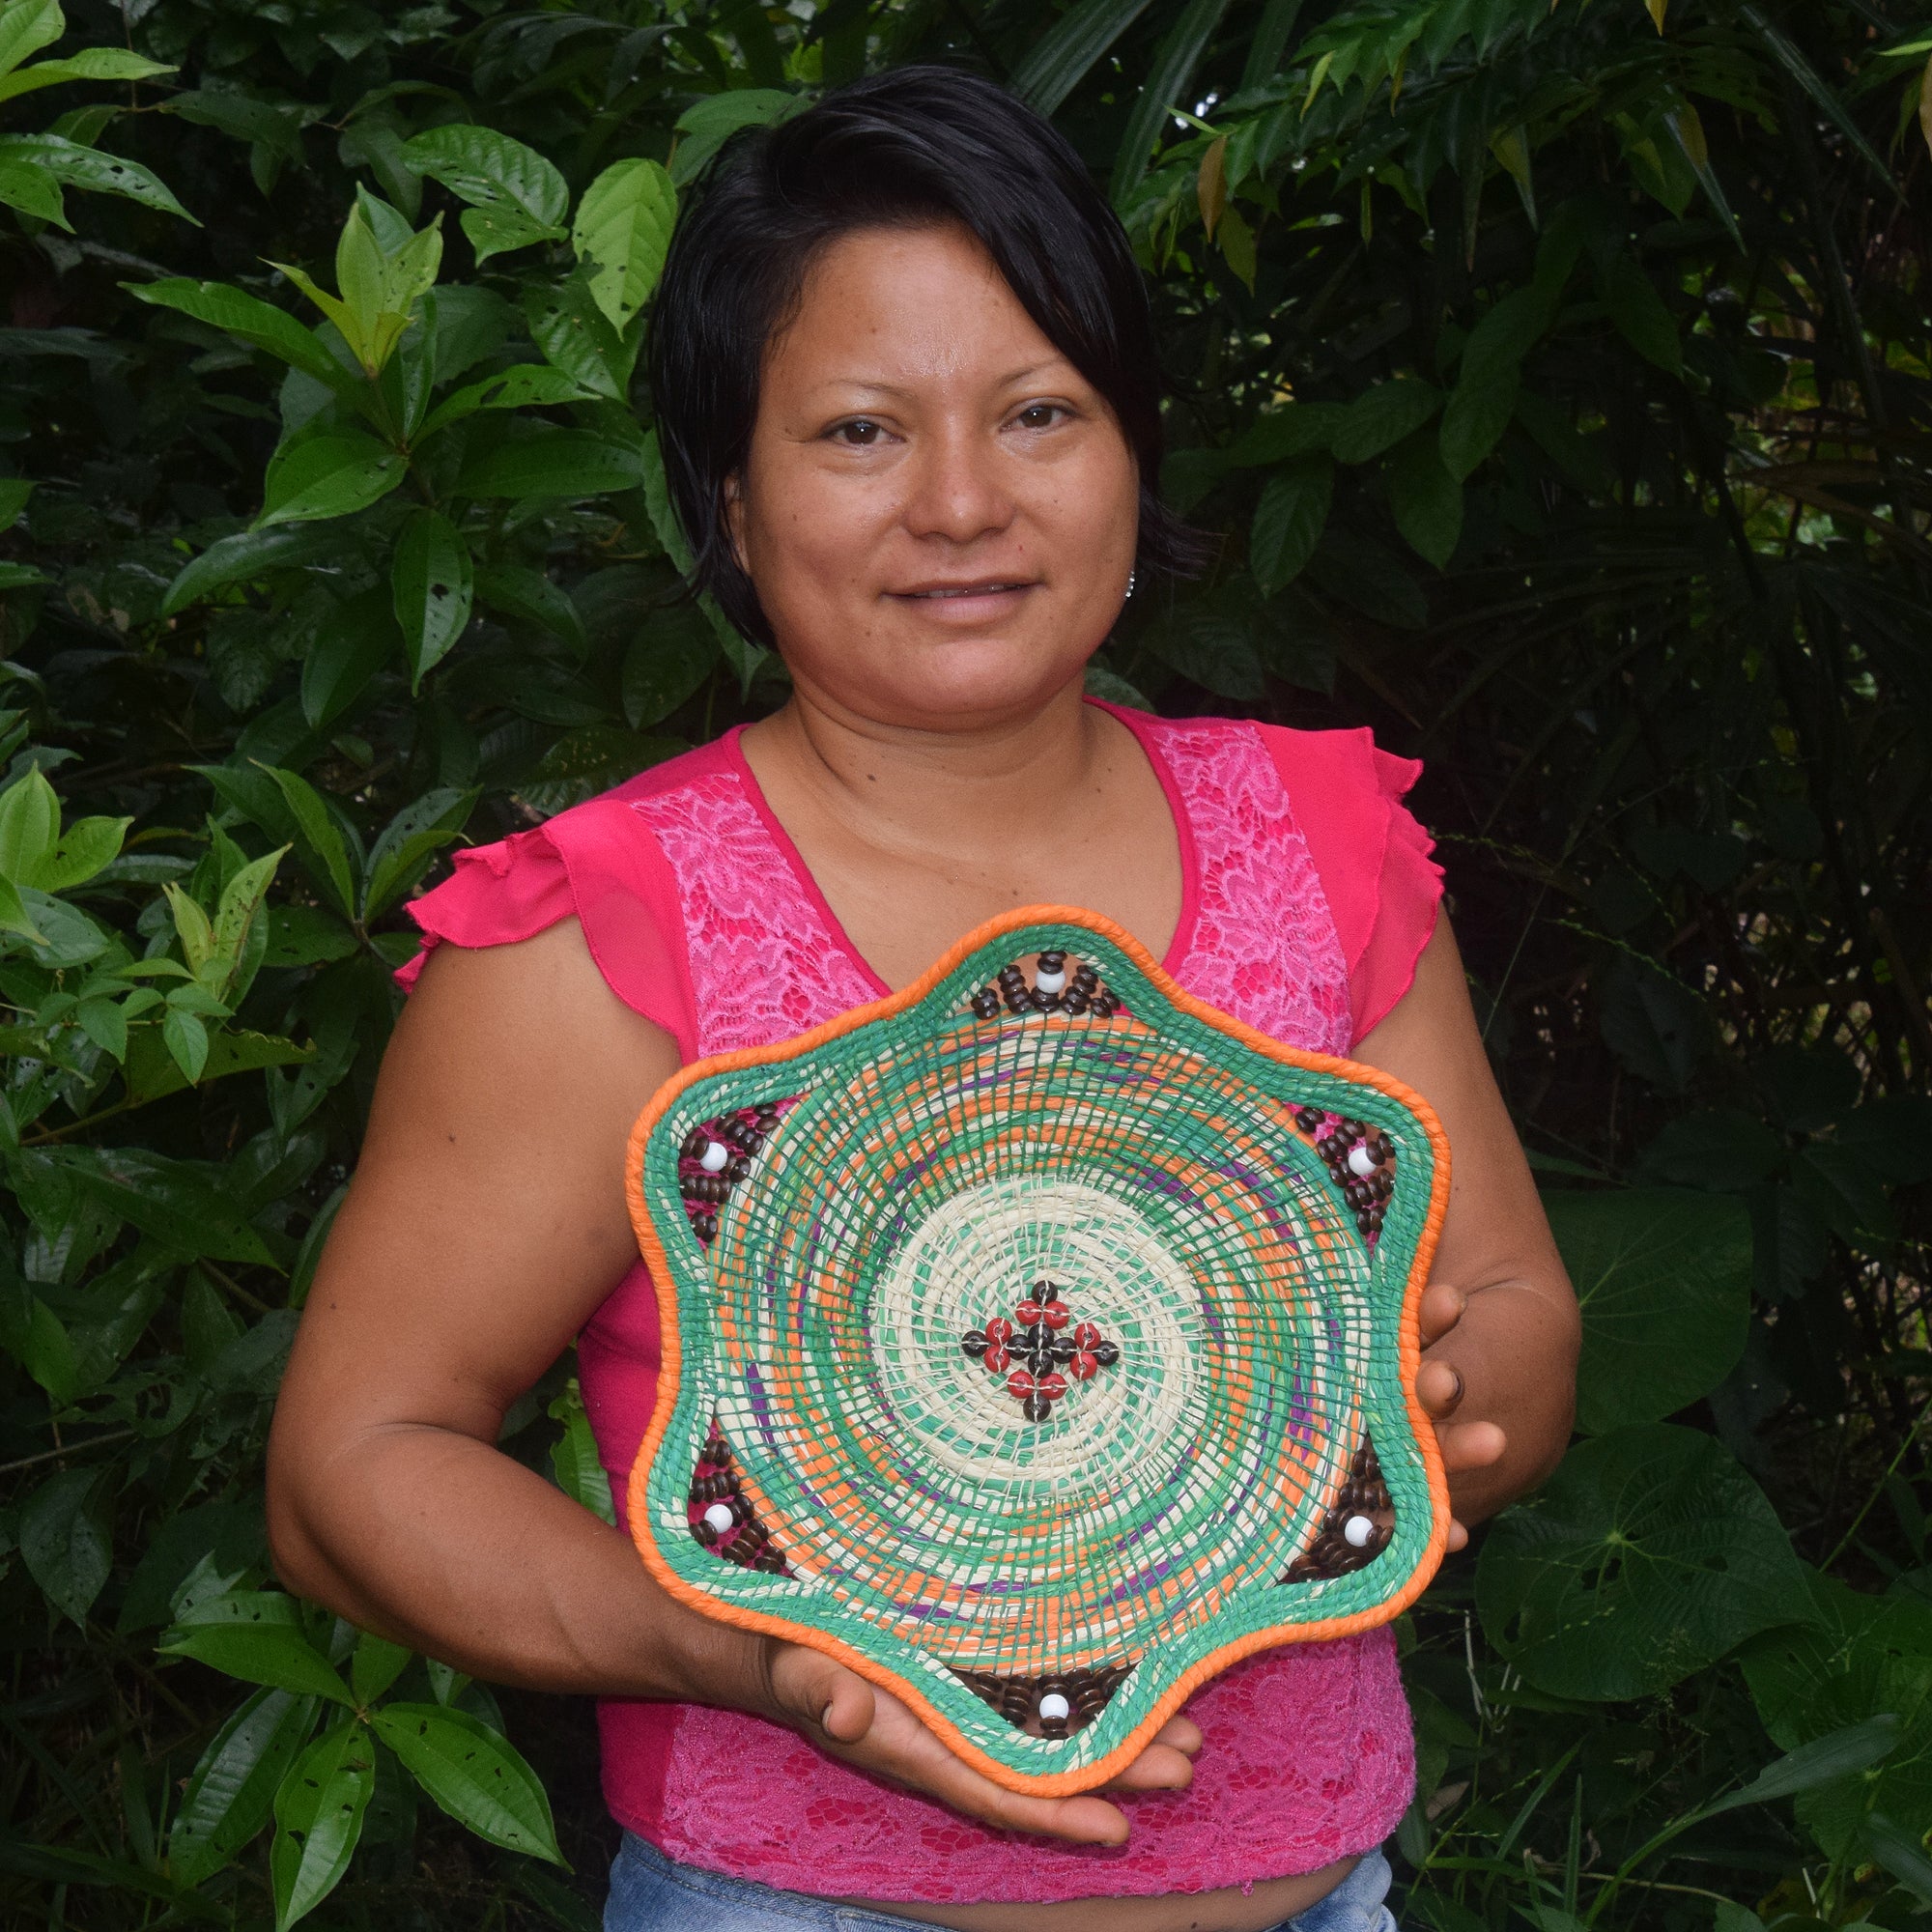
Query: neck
point(910, 790)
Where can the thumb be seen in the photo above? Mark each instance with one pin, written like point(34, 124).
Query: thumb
point(814, 1694)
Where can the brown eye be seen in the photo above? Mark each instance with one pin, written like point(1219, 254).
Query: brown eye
point(1038, 415)
point(860, 433)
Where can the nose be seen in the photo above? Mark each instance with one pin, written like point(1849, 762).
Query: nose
point(958, 489)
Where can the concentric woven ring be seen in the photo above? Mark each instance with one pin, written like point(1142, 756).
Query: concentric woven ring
point(1038, 1357)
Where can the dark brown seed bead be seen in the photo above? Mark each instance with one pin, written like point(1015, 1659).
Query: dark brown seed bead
point(1052, 961)
point(768, 1111)
point(985, 1004)
point(706, 1225)
point(973, 1342)
point(704, 1533)
point(1106, 1007)
point(1107, 1355)
point(1037, 1408)
point(1307, 1119)
point(1074, 1001)
point(738, 1169)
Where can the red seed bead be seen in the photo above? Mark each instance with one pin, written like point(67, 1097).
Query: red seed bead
point(1029, 1312)
point(1056, 1314)
point(999, 1329)
point(1021, 1383)
point(1085, 1335)
point(996, 1357)
point(1082, 1365)
point(1051, 1385)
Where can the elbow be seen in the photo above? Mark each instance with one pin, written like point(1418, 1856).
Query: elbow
point(294, 1555)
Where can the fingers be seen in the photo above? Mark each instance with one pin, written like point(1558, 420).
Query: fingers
point(1158, 1768)
point(1471, 1445)
point(1440, 1309)
point(814, 1695)
point(1440, 1387)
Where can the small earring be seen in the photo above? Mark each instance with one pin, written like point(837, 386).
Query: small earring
point(1130, 583)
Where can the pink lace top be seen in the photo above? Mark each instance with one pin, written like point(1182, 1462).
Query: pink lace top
point(1308, 896)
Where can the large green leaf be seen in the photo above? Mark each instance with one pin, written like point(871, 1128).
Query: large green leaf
point(544, 462)
point(1062, 58)
point(318, 1811)
point(622, 234)
point(1383, 416)
point(474, 1772)
point(256, 323)
point(434, 582)
point(1648, 1555)
point(65, 1544)
point(77, 165)
point(26, 26)
point(328, 475)
point(1174, 64)
point(256, 1635)
point(1288, 521)
point(89, 64)
point(231, 1791)
point(517, 196)
point(1664, 1276)
point(175, 1202)
point(527, 384)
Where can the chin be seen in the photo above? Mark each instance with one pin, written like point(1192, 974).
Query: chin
point(960, 685)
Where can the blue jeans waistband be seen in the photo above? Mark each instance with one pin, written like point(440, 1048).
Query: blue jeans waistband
point(650, 1893)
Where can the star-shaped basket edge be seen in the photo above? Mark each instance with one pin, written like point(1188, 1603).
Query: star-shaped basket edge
point(725, 1592)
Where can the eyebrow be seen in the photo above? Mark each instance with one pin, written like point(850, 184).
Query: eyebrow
point(876, 388)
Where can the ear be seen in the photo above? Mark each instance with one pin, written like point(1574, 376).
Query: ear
point(735, 518)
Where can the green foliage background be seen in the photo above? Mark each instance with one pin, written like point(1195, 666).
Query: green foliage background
point(1555, 378)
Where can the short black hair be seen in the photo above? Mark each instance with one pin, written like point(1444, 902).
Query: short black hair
point(910, 148)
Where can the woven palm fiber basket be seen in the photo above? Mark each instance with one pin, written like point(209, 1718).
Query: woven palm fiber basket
point(1038, 1342)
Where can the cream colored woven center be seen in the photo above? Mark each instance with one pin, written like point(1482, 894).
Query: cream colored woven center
point(977, 1256)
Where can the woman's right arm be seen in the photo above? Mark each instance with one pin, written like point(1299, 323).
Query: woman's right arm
point(485, 1224)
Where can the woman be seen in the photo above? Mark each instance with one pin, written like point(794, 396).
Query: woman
point(907, 391)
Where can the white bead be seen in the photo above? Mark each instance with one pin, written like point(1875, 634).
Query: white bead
point(1357, 1531)
point(715, 1158)
point(1050, 983)
point(1052, 1707)
point(1362, 1162)
point(719, 1518)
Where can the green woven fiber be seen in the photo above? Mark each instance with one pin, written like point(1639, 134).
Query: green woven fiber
point(927, 1167)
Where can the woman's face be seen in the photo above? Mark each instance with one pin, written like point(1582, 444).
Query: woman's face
point(938, 510)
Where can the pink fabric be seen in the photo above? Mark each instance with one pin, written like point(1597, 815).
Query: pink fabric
point(1307, 897)
point(1373, 857)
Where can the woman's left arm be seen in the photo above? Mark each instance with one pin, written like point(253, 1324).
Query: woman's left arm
point(1499, 1321)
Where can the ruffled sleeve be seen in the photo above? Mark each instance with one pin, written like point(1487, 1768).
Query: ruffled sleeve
point(1373, 858)
point(598, 864)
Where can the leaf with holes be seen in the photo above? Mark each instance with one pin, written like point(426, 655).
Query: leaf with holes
point(517, 196)
point(474, 1774)
point(433, 585)
point(231, 1791)
point(622, 234)
point(256, 1635)
point(1648, 1555)
point(319, 1810)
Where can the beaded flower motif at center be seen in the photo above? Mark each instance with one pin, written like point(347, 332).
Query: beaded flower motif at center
point(1037, 1353)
